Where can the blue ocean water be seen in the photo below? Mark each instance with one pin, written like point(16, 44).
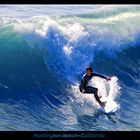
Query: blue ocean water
point(44, 50)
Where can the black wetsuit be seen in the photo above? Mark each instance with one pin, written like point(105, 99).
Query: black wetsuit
point(88, 89)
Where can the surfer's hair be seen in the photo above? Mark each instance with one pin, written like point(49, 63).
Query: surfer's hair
point(89, 68)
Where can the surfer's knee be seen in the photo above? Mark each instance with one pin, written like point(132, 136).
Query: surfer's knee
point(96, 90)
point(80, 88)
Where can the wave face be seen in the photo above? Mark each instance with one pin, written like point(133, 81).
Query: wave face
point(43, 58)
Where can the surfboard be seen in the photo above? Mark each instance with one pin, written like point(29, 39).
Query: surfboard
point(110, 107)
point(109, 111)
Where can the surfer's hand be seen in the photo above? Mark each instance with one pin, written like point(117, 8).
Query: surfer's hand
point(108, 79)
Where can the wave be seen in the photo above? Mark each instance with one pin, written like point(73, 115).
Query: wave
point(72, 42)
point(45, 57)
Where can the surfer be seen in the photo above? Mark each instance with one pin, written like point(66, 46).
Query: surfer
point(84, 88)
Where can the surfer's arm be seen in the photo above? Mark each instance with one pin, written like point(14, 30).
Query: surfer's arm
point(83, 82)
point(99, 75)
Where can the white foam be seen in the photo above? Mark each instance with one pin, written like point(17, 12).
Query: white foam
point(71, 45)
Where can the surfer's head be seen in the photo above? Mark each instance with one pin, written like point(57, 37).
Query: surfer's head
point(89, 71)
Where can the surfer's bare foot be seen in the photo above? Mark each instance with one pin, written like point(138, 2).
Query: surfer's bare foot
point(102, 104)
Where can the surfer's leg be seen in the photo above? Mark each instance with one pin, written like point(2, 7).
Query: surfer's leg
point(80, 88)
point(94, 91)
